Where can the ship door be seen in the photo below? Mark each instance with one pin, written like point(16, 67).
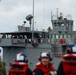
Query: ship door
point(64, 49)
point(1, 53)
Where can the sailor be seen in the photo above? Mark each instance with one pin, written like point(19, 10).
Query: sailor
point(2, 64)
point(22, 58)
point(2, 68)
point(68, 64)
point(44, 67)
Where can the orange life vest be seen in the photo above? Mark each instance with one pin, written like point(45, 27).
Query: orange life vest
point(21, 71)
point(69, 64)
point(46, 70)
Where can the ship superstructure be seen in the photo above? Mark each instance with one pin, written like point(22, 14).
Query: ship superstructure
point(62, 33)
point(53, 40)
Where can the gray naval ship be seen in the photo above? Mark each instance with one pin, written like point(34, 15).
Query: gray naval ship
point(33, 42)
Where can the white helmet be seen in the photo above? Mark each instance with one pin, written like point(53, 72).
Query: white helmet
point(45, 54)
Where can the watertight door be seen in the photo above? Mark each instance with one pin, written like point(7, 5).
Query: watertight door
point(64, 48)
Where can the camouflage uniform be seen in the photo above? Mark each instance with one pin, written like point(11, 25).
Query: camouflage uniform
point(2, 68)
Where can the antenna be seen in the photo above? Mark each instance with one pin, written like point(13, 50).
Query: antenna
point(33, 24)
point(24, 22)
point(51, 16)
point(57, 13)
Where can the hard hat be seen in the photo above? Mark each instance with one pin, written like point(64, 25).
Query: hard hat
point(46, 55)
point(22, 54)
point(72, 48)
point(21, 57)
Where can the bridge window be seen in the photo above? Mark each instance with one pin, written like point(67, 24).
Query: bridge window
point(0, 35)
point(65, 36)
point(61, 36)
point(53, 36)
point(57, 36)
point(59, 24)
point(69, 36)
point(49, 36)
point(10, 36)
point(25, 36)
point(55, 24)
point(62, 24)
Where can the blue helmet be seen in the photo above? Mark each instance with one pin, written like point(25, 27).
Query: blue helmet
point(22, 54)
point(21, 57)
point(72, 47)
point(45, 54)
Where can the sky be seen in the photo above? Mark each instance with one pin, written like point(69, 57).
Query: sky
point(14, 12)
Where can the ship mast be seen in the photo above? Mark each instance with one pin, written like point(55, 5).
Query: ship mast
point(57, 13)
point(51, 16)
point(33, 23)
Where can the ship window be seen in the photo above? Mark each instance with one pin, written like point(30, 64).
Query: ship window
point(49, 36)
point(20, 36)
point(62, 24)
point(53, 36)
point(67, 25)
point(25, 36)
point(29, 40)
point(0, 36)
point(69, 36)
point(55, 24)
point(61, 36)
point(9, 36)
point(57, 36)
point(59, 24)
point(65, 36)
